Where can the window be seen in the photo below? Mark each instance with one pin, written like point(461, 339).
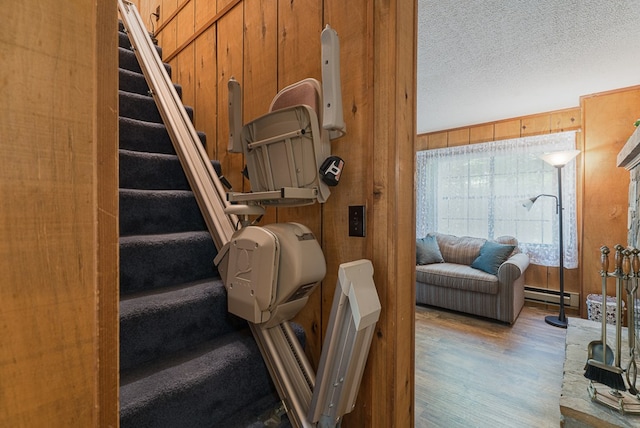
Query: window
point(478, 190)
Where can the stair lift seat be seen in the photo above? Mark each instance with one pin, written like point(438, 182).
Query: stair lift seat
point(285, 148)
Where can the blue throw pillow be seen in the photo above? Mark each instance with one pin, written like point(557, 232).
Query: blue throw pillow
point(428, 251)
point(492, 255)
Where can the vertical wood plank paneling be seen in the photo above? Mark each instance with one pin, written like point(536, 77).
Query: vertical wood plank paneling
point(230, 64)
point(206, 89)
point(537, 276)
point(565, 120)
point(438, 140)
point(185, 23)
point(167, 38)
point(458, 137)
point(223, 3)
point(353, 22)
point(393, 223)
point(607, 124)
point(106, 152)
point(299, 28)
point(535, 125)
point(422, 142)
point(260, 83)
point(507, 129)
point(184, 74)
point(481, 134)
point(49, 191)
point(205, 10)
point(261, 56)
point(403, 328)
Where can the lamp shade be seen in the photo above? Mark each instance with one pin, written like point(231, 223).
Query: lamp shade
point(560, 158)
point(528, 203)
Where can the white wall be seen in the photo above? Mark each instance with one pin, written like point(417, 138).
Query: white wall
point(486, 60)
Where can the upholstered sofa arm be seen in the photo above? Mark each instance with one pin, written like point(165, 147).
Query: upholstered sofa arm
point(513, 268)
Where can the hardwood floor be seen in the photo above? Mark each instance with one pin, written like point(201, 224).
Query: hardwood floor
point(473, 372)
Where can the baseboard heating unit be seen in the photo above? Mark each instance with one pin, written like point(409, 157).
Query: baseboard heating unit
point(551, 297)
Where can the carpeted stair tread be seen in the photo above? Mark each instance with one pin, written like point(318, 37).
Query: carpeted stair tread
point(151, 171)
point(124, 42)
point(261, 413)
point(141, 136)
point(200, 388)
point(142, 107)
point(131, 81)
point(154, 261)
point(163, 322)
point(146, 212)
point(127, 60)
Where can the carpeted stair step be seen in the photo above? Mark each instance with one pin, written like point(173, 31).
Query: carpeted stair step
point(158, 323)
point(150, 262)
point(142, 107)
point(143, 170)
point(147, 212)
point(205, 387)
point(153, 171)
point(124, 42)
point(130, 81)
point(137, 135)
point(127, 61)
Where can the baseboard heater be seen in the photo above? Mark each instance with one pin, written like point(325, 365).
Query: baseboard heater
point(551, 297)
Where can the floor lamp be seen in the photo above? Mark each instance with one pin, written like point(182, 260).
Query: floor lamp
point(558, 160)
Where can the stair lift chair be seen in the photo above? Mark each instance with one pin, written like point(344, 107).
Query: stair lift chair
point(270, 271)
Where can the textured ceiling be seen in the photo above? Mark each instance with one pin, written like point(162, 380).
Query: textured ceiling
point(486, 60)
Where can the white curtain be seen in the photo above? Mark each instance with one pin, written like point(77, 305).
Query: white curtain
point(478, 190)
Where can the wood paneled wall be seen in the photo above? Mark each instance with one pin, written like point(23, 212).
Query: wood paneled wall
point(267, 45)
point(58, 215)
point(524, 126)
point(607, 119)
point(605, 122)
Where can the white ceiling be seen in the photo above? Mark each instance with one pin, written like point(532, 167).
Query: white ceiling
point(486, 60)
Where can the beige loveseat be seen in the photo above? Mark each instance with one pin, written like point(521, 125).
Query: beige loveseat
point(471, 275)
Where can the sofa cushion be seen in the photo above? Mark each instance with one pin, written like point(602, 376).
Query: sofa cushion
point(427, 251)
point(509, 240)
point(452, 275)
point(492, 255)
point(461, 250)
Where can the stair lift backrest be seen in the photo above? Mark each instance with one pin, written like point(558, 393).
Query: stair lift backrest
point(306, 92)
point(286, 147)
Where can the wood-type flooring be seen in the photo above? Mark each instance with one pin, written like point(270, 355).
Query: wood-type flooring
point(474, 372)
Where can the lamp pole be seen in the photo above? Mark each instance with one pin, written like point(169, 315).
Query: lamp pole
point(561, 319)
point(559, 160)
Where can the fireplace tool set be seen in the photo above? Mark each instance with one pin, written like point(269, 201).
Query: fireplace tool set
point(603, 364)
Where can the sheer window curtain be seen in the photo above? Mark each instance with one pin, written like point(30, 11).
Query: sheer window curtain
point(478, 190)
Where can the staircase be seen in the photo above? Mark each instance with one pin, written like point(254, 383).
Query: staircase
point(184, 361)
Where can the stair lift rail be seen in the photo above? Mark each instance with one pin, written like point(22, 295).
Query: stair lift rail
point(204, 182)
point(269, 272)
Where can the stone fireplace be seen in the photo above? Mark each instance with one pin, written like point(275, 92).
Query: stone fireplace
point(629, 158)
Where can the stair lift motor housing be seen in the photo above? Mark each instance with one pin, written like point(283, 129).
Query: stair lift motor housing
point(270, 271)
